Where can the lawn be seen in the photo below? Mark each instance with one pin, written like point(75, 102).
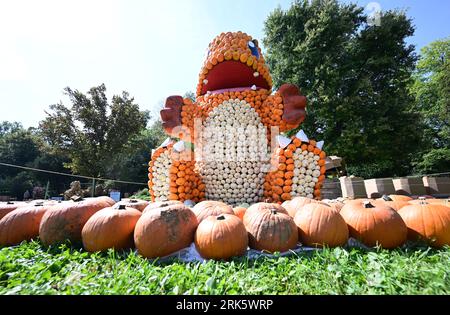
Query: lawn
point(33, 269)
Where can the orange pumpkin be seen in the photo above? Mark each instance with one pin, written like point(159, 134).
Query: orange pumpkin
point(165, 230)
point(374, 224)
point(320, 225)
point(207, 208)
point(135, 203)
point(295, 204)
point(396, 198)
point(66, 220)
point(110, 227)
point(21, 224)
point(239, 212)
point(427, 221)
point(160, 204)
point(7, 207)
point(396, 203)
point(221, 237)
point(270, 228)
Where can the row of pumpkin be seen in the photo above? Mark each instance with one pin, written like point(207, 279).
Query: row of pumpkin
point(219, 232)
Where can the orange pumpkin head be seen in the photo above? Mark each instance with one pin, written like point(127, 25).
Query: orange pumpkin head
point(110, 227)
point(374, 224)
point(221, 237)
point(320, 225)
point(233, 60)
point(270, 228)
point(165, 230)
point(427, 221)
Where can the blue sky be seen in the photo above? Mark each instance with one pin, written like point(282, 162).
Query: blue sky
point(152, 49)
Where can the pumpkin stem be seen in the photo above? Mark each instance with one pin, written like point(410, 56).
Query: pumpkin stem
point(367, 204)
point(122, 207)
point(221, 217)
point(76, 198)
point(386, 198)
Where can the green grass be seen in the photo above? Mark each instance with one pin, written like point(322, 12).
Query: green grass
point(32, 269)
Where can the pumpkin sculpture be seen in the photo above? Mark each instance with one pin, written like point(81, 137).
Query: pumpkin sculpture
point(66, 220)
point(229, 125)
point(165, 230)
point(427, 221)
point(270, 228)
point(21, 224)
point(374, 224)
point(320, 225)
point(205, 209)
point(111, 227)
point(221, 237)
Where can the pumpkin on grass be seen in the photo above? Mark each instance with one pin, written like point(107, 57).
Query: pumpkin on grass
point(111, 227)
point(296, 203)
point(134, 203)
point(111, 202)
point(395, 203)
point(207, 208)
point(427, 221)
point(270, 228)
point(320, 225)
point(21, 224)
point(7, 207)
point(66, 220)
point(374, 223)
point(239, 212)
point(221, 237)
point(165, 230)
point(394, 197)
point(160, 204)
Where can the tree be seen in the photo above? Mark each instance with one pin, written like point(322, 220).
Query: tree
point(431, 89)
point(132, 163)
point(91, 132)
point(355, 77)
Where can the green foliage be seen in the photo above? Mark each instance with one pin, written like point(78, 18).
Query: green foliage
point(432, 94)
point(434, 161)
point(131, 164)
point(33, 269)
point(92, 131)
point(355, 77)
point(143, 194)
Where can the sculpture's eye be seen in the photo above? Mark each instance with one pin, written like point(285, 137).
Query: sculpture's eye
point(253, 48)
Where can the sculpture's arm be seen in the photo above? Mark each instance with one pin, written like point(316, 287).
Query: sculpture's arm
point(178, 117)
point(285, 108)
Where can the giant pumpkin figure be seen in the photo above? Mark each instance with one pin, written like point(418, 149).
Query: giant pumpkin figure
point(228, 148)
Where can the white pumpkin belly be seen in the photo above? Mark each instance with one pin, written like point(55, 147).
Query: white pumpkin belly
point(233, 154)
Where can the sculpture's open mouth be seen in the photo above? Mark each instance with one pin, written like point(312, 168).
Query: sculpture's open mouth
point(232, 76)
